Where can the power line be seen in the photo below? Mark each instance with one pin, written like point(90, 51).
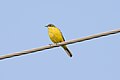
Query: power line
point(59, 44)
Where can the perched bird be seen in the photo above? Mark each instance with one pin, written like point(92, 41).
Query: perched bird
point(56, 37)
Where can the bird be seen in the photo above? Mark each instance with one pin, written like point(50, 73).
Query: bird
point(56, 36)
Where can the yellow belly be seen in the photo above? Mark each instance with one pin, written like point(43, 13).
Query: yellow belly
point(55, 35)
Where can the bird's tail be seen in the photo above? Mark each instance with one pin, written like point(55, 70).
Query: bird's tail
point(67, 51)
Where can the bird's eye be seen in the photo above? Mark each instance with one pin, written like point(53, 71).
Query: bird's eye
point(50, 25)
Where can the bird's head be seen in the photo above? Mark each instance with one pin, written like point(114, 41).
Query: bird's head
point(50, 25)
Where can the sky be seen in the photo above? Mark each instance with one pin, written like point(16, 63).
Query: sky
point(22, 27)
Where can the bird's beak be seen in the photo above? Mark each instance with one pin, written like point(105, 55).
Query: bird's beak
point(46, 26)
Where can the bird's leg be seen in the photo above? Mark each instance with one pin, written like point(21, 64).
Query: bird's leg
point(56, 44)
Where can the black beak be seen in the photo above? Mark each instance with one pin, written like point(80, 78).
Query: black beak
point(46, 26)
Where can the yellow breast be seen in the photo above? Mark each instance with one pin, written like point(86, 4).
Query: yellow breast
point(55, 35)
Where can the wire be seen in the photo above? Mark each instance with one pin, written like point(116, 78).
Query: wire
point(59, 44)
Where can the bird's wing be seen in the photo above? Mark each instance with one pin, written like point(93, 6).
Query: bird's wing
point(62, 36)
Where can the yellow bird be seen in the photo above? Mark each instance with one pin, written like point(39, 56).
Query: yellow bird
point(56, 37)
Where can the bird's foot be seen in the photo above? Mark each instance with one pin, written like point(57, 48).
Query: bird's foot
point(50, 44)
point(56, 44)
